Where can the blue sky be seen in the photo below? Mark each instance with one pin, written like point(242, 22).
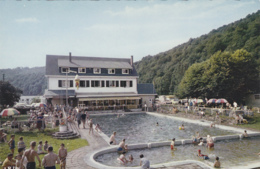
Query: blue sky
point(29, 30)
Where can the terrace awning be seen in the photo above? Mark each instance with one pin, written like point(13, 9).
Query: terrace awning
point(110, 98)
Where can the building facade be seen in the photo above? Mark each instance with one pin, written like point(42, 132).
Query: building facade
point(93, 82)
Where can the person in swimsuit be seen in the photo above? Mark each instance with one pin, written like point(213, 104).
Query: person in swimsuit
point(205, 157)
point(40, 148)
point(172, 143)
point(112, 139)
point(30, 154)
point(11, 143)
point(122, 158)
point(245, 134)
point(2, 136)
point(121, 147)
point(90, 126)
point(217, 163)
point(46, 145)
point(21, 143)
point(62, 155)
point(210, 142)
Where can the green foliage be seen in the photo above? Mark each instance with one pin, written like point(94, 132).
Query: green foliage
point(30, 80)
point(36, 100)
point(8, 94)
point(167, 69)
point(225, 75)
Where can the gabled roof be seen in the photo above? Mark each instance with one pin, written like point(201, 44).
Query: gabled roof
point(146, 88)
point(53, 62)
point(91, 62)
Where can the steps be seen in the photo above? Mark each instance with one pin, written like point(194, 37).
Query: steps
point(66, 135)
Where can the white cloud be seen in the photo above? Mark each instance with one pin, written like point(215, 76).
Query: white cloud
point(26, 20)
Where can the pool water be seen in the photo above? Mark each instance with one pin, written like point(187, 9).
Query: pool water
point(142, 128)
point(230, 152)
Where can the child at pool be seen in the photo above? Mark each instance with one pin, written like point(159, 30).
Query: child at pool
point(201, 142)
point(217, 163)
point(245, 134)
point(122, 159)
point(131, 158)
point(181, 127)
point(205, 157)
point(172, 143)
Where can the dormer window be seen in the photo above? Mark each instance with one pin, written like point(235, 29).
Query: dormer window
point(81, 70)
point(65, 70)
point(125, 71)
point(96, 70)
point(111, 71)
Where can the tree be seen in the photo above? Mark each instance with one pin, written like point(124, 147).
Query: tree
point(225, 75)
point(8, 94)
point(36, 100)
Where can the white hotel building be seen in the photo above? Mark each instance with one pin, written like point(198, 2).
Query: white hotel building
point(103, 83)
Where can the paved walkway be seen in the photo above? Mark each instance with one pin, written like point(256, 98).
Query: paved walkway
point(76, 157)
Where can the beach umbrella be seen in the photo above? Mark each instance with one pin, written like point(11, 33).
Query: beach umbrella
point(198, 101)
point(212, 101)
point(9, 112)
point(221, 101)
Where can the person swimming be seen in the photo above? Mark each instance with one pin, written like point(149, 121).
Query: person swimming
point(210, 142)
point(157, 124)
point(205, 157)
point(172, 143)
point(182, 127)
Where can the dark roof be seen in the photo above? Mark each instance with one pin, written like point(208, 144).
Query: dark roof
point(146, 88)
point(53, 62)
point(53, 93)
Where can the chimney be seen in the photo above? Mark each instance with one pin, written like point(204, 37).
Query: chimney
point(70, 56)
point(132, 60)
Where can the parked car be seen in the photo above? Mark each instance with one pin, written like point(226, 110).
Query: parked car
point(20, 106)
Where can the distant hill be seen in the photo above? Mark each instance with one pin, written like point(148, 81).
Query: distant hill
point(166, 69)
point(30, 80)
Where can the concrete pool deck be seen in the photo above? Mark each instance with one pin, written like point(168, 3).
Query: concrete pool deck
point(83, 157)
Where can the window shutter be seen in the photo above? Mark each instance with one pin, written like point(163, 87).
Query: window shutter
point(92, 83)
point(107, 83)
point(103, 83)
point(60, 83)
point(117, 83)
point(87, 83)
point(71, 83)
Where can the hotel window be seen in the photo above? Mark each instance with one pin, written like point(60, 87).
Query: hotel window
point(82, 83)
point(96, 70)
point(125, 71)
point(111, 71)
point(64, 70)
point(126, 83)
point(81, 70)
point(62, 83)
point(111, 83)
point(95, 83)
point(257, 96)
point(87, 83)
point(102, 83)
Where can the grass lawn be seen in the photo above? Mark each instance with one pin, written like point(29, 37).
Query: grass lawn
point(253, 122)
point(71, 144)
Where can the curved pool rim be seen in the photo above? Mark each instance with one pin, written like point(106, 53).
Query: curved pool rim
point(113, 148)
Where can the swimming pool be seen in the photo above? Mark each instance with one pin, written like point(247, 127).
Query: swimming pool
point(142, 128)
point(231, 153)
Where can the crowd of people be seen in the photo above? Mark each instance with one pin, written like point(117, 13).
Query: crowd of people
point(25, 158)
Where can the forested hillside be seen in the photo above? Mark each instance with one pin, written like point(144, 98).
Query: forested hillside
point(30, 80)
point(167, 69)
